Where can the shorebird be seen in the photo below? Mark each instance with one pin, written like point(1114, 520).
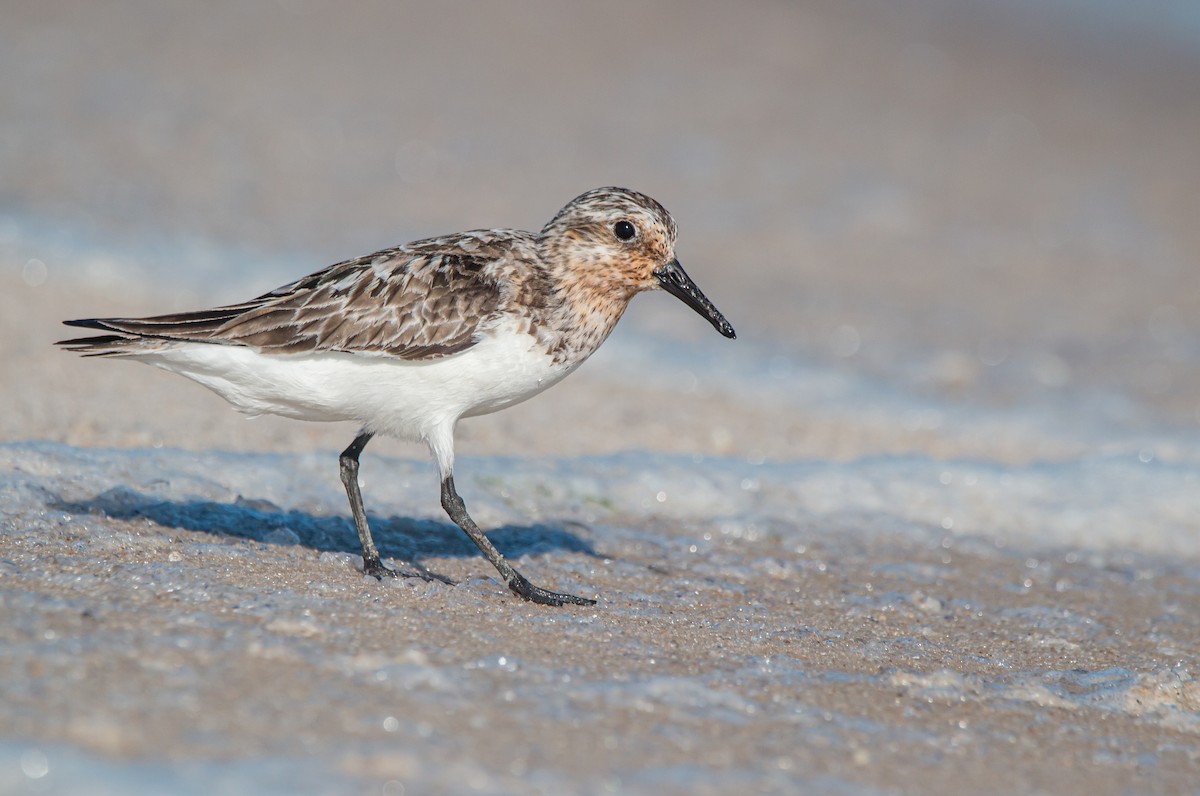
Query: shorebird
point(408, 340)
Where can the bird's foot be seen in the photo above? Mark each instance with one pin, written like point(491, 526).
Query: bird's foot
point(375, 568)
point(536, 594)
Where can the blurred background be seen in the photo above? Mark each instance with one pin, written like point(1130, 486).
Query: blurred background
point(919, 216)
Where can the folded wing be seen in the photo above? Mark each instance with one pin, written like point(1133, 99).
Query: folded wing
point(421, 301)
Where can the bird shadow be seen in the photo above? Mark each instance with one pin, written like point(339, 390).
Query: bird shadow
point(407, 538)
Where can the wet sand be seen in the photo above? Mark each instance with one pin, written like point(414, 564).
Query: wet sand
point(926, 527)
point(162, 606)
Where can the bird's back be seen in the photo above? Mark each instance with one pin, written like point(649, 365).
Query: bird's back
point(424, 300)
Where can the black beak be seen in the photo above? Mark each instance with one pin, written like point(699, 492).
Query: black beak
point(675, 281)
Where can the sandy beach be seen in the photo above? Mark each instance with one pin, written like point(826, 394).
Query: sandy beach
point(930, 525)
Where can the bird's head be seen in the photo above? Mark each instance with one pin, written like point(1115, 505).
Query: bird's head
point(617, 240)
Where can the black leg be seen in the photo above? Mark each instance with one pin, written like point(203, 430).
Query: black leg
point(454, 506)
point(371, 563)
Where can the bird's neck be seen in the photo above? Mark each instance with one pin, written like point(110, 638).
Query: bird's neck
point(585, 313)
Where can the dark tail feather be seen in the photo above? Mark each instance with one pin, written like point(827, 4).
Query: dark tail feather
point(140, 333)
point(88, 323)
point(98, 346)
point(178, 326)
point(90, 342)
point(105, 344)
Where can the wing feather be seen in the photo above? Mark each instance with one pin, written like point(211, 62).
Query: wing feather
point(426, 300)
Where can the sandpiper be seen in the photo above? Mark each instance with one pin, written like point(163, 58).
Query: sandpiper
point(408, 340)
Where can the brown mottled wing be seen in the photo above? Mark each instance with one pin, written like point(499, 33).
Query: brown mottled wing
point(408, 304)
point(421, 301)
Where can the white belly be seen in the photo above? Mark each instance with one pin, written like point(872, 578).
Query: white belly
point(383, 394)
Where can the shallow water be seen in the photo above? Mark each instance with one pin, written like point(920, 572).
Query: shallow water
point(823, 620)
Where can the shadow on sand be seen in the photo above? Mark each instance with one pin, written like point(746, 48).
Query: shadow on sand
point(404, 538)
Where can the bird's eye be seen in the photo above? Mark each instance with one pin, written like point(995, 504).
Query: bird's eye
point(624, 230)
